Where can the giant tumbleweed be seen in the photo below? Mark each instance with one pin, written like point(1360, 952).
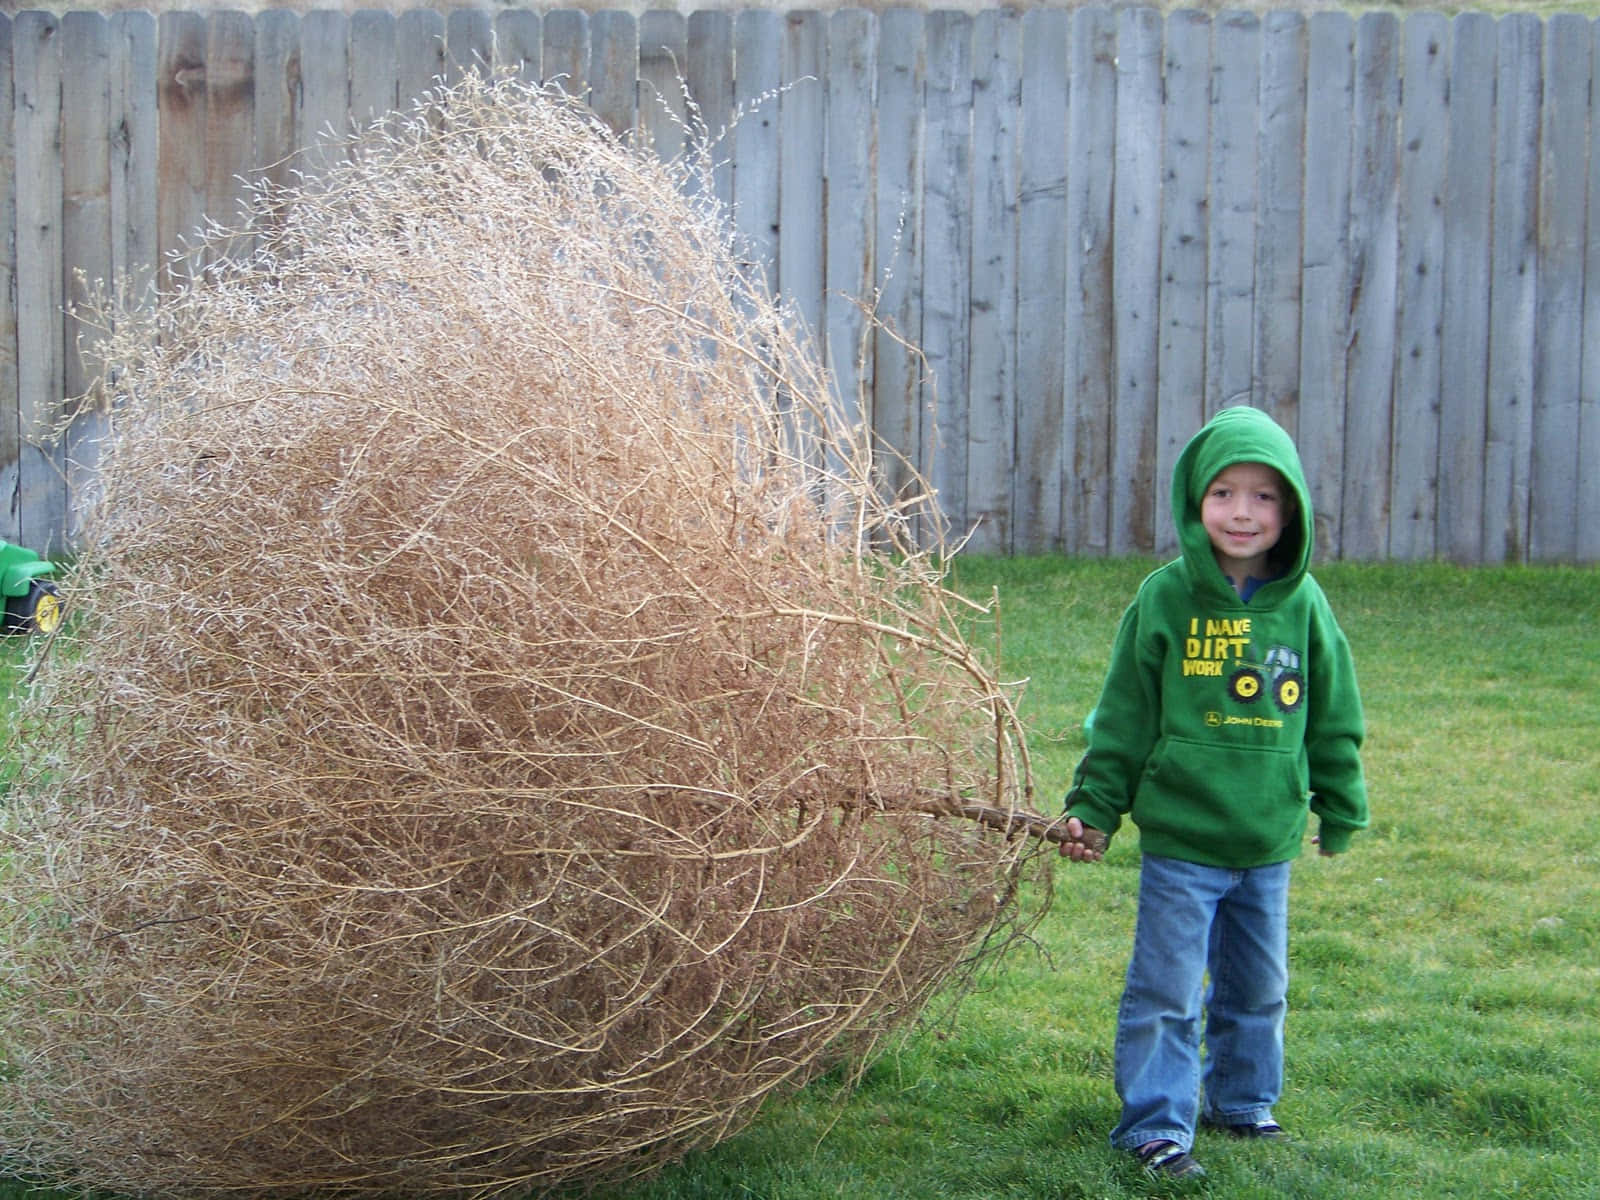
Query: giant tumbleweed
point(504, 730)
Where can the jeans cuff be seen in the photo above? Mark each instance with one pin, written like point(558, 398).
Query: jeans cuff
point(1248, 1116)
point(1143, 1137)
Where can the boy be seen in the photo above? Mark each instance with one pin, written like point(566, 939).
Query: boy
point(1229, 712)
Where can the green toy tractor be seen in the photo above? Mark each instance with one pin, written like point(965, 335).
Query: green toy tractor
point(33, 604)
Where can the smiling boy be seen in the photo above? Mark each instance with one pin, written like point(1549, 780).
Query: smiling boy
point(1243, 513)
point(1229, 714)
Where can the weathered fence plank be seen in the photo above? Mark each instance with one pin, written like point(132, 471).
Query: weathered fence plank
point(849, 272)
point(1325, 274)
point(1369, 395)
point(469, 43)
point(1420, 259)
point(419, 54)
point(10, 443)
point(566, 50)
point(181, 165)
point(374, 90)
point(708, 79)
point(947, 251)
point(801, 132)
point(129, 144)
point(277, 95)
point(991, 389)
point(324, 88)
point(1136, 495)
point(517, 40)
point(230, 153)
point(1084, 230)
point(1091, 316)
point(1558, 367)
point(1185, 203)
point(1513, 288)
point(1588, 436)
point(663, 121)
point(1281, 166)
point(1464, 335)
point(758, 58)
point(897, 214)
point(1041, 268)
point(85, 178)
point(1230, 286)
point(132, 152)
point(40, 490)
point(614, 68)
point(85, 230)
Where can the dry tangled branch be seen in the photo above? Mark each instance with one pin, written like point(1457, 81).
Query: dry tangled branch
point(504, 733)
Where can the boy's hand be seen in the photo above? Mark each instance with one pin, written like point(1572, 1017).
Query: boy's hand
point(1083, 844)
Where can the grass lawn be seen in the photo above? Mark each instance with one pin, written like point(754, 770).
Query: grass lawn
point(1444, 1033)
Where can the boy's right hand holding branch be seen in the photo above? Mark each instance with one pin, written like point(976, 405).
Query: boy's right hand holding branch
point(1082, 843)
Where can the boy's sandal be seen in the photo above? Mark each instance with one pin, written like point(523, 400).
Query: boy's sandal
point(1163, 1158)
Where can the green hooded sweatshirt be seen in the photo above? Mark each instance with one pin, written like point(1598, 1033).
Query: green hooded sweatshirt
point(1223, 722)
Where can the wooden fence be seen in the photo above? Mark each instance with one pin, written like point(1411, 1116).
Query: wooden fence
point(1099, 226)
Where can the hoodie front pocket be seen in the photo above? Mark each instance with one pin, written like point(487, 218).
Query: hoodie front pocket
point(1226, 802)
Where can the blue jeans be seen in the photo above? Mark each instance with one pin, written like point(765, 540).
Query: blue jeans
point(1193, 918)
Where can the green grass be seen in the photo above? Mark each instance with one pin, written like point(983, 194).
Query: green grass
point(1442, 1035)
point(1442, 1039)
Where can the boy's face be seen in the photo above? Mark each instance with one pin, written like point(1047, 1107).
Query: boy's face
point(1243, 512)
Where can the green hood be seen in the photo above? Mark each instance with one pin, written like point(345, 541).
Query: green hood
point(1237, 435)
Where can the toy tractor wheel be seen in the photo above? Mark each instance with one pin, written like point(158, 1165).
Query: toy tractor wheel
point(38, 610)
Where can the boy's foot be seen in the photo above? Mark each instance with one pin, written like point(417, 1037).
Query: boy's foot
point(1253, 1129)
point(1169, 1160)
